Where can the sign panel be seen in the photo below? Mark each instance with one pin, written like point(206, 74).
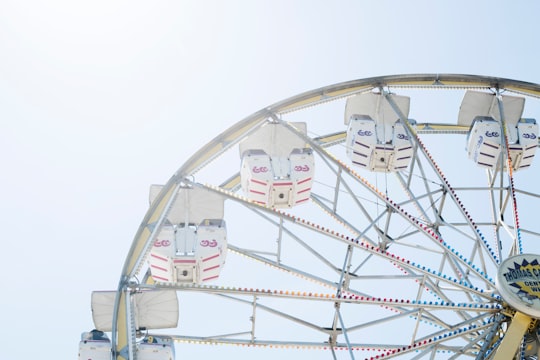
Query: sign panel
point(518, 282)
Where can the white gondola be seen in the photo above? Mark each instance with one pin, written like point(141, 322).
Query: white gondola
point(94, 345)
point(377, 139)
point(192, 246)
point(153, 310)
point(522, 153)
point(277, 166)
point(484, 141)
point(155, 348)
point(481, 112)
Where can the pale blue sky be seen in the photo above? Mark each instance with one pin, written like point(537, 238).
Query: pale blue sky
point(100, 99)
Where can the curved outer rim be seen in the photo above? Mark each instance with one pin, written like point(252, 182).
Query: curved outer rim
point(350, 87)
point(324, 94)
point(140, 244)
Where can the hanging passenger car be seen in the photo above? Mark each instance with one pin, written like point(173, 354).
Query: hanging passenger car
point(152, 310)
point(277, 167)
point(192, 245)
point(486, 141)
point(377, 138)
point(94, 345)
point(156, 348)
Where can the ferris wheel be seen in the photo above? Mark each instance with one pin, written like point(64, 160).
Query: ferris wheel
point(381, 218)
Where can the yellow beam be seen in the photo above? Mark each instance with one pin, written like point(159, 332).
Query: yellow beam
point(513, 337)
point(231, 183)
point(122, 332)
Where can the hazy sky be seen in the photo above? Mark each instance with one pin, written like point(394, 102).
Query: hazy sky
point(100, 99)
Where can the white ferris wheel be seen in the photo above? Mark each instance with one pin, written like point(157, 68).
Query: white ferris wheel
point(380, 218)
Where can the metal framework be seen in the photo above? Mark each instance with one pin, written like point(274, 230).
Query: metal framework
point(376, 265)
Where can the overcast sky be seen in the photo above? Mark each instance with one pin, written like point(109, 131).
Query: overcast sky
point(100, 99)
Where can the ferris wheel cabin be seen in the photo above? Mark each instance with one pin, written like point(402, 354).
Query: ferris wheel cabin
point(192, 246)
point(94, 345)
point(155, 310)
point(377, 138)
point(277, 167)
point(486, 142)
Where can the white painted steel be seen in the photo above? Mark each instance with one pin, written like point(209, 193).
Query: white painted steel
point(387, 265)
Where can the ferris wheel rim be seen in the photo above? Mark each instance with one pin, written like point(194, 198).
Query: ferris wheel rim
point(337, 91)
point(314, 97)
point(348, 88)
